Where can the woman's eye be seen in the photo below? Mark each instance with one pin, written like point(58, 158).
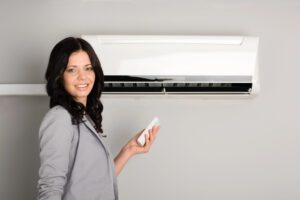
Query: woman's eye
point(71, 70)
point(89, 68)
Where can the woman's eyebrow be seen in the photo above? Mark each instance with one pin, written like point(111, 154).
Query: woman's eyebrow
point(71, 65)
point(77, 66)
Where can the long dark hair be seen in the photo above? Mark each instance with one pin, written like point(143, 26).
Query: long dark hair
point(58, 61)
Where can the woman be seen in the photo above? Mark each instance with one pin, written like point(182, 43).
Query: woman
point(75, 162)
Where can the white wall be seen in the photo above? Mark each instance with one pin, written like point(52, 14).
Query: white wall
point(208, 148)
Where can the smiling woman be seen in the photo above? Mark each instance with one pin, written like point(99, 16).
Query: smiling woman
point(79, 76)
point(76, 163)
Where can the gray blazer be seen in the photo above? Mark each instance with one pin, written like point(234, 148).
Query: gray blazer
point(75, 162)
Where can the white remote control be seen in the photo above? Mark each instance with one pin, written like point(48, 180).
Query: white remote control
point(141, 140)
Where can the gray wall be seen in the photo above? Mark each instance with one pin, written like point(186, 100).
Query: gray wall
point(208, 148)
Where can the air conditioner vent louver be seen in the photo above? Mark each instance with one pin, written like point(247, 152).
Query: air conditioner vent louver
point(175, 87)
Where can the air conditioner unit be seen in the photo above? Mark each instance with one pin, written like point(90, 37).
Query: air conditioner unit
point(181, 65)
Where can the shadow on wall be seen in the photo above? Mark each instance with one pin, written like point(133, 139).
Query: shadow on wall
point(19, 148)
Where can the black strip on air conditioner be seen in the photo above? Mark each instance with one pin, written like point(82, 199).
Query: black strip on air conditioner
point(174, 79)
point(210, 87)
point(137, 87)
point(133, 89)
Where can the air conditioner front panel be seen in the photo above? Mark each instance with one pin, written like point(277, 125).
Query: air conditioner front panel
point(227, 64)
point(172, 60)
point(175, 55)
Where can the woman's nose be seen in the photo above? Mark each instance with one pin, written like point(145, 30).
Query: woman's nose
point(81, 75)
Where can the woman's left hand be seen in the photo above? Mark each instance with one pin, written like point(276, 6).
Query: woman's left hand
point(132, 147)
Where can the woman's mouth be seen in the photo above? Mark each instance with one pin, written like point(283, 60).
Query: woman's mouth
point(81, 86)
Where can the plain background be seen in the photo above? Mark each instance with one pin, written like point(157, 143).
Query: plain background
point(208, 148)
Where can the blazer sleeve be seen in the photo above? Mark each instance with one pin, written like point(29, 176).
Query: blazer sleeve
point(55, 135)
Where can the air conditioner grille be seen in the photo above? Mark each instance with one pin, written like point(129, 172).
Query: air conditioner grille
point(175, 87)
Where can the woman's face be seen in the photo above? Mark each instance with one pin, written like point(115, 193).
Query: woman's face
point(79, 76)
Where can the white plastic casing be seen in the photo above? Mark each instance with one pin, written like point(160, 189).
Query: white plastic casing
point(141, 140)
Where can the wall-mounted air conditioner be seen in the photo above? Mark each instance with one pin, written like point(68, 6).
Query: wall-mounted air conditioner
point(159, 65)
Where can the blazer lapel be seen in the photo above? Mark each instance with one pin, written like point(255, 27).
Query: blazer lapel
point(92, 129)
